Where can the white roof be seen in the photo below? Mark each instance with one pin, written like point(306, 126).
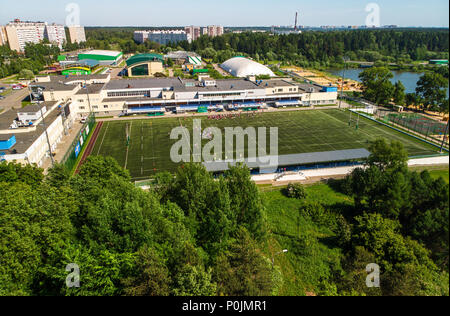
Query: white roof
point(243, 67)
point(102, 52)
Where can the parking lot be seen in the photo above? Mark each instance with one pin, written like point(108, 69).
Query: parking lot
point(11, 98)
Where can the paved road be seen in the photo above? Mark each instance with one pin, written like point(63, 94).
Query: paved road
point(13, 100)
point(220, 70)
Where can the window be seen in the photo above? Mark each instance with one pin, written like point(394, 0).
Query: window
point(129, 93)
point(95, 107)
point(80, 100)
point(105, 106)
point(82, 108)
point(141, 70)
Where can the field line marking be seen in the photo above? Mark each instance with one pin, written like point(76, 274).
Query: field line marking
point(103, 139)
point(128, 147)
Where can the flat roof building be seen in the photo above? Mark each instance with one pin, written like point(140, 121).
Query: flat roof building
point(23, 136)
point(104, 57)
point(124, 97)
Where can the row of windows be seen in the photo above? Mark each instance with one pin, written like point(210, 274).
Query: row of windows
point(94, 107)
point(221, 95)
point(129, 93)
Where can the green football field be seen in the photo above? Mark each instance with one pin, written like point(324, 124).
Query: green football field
point(148, 151)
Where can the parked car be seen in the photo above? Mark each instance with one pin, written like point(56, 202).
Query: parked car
point(1, 97)
point(83, 120)
point(17, 87)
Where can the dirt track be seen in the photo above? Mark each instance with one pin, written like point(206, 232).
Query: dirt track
point(90, 146)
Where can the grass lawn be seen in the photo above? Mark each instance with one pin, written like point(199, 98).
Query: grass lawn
point(435, 171)
point(298, 132)
point(310, 252)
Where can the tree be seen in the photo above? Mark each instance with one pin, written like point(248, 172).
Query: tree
point(412, 99)
point(243, 270)
point(399, 93)
point(431, 87)
point(151, 277)
point(377, 86)
point(194, 281)
point(387, 156)
point(246, 202)
point(26, 74)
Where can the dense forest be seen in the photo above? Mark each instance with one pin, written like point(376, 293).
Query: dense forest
point(328, 48)
point(311, 49)
point(192, 234)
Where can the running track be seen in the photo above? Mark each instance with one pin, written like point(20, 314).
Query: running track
point(89, 147)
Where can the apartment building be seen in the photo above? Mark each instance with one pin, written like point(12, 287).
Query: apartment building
point(194, 32)
point(56, 34)
point(77, 34)
point(21, 32)
point(162, 37)
point(215, 30)
point(3, 37)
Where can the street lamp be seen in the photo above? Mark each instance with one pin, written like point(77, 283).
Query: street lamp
point(278, 253)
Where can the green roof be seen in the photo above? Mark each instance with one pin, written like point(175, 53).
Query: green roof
point(139, 58)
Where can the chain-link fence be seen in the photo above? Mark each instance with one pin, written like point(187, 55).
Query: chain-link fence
point(71, 157)
point(417, 123)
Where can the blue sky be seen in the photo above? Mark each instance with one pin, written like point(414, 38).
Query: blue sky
point(230, 12)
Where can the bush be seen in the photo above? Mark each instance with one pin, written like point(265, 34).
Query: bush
point(295, 191)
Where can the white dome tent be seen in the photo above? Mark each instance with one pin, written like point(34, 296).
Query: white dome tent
point(243, 67)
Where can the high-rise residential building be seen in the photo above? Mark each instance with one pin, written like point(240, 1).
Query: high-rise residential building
point(3, 37)
point(56, 34)
point(194, 32)
point(77, 34)
point(204, 31)
point(19, 33)
point(140, 36)
point(215, 30)
point(162, 37)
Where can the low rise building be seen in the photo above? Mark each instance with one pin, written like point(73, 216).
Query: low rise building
point(145, 65)
point(104, 57)
point(32, 134)
point(107, 97)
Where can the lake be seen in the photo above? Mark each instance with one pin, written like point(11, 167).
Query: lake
point(409, 79)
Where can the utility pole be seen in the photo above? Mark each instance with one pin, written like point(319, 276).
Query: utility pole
point(342, 87)
point(46, 135)
point(87, 93)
